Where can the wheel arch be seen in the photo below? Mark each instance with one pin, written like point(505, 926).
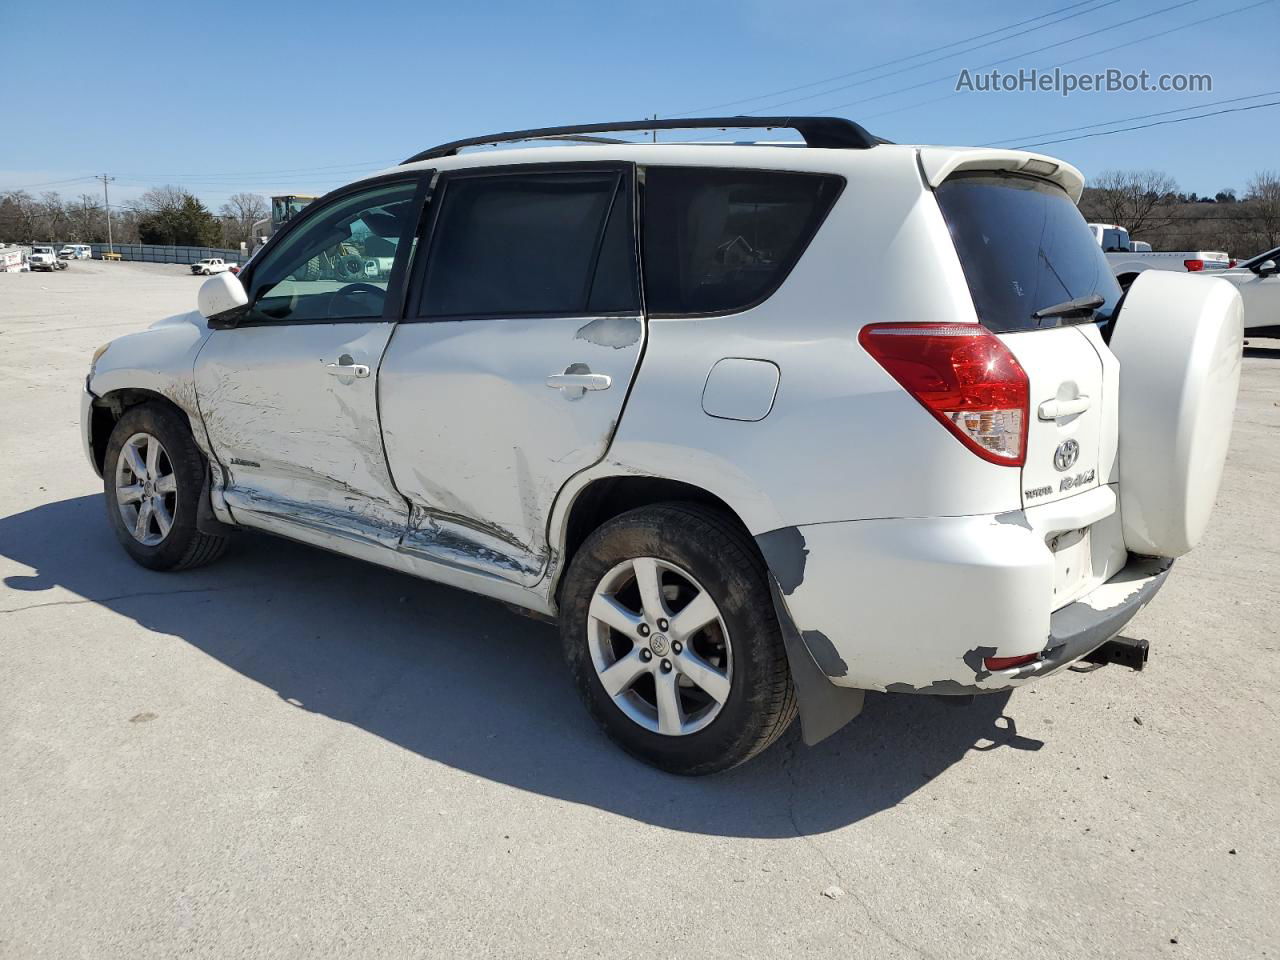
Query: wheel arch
point(111, 406)
point(604, 497)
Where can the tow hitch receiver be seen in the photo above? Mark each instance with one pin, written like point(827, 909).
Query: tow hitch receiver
point(1125, 651)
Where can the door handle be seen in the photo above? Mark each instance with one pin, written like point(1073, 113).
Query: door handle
point(1058, 409)
point(348, 369)
point(579, 381)
point(587, 381)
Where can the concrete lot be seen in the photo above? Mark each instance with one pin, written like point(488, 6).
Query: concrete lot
point(294, 754)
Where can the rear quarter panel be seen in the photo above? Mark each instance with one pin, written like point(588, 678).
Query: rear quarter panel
point(842, 441)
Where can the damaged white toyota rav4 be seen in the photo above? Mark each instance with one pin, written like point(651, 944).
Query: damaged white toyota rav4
point(763, 426)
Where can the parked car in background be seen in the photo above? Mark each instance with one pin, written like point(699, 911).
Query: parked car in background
point(1128, 258)
point(75, 251)
point(839, 418)
point(43, 258)
point(210, 265)
point(1258, 280)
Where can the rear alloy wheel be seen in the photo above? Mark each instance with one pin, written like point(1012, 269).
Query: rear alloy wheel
point(660, 647)
point(669, 631)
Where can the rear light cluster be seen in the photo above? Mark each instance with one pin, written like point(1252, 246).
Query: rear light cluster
point(964, 376)
point(1193, 266)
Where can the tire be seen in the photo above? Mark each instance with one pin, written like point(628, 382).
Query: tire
point(696, 550)
point(170, 486)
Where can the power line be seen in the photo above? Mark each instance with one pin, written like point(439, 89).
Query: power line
point(1063, 63)
point(1147, 126)
point(48, 183)
point(1019, 56)
point(858, 83)
point(1141, 116)
point(898, 60)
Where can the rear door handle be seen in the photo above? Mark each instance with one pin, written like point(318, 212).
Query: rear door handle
point(1057, 409)
point(348, 369)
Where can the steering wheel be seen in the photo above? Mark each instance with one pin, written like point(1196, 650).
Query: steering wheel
point(360, 287)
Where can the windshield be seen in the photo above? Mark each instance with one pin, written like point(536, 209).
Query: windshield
point(1023, 246)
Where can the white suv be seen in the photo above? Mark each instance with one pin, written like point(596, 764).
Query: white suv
point(763, 426)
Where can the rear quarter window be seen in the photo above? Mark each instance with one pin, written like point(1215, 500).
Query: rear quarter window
point(722, 240)
point(1023, 246)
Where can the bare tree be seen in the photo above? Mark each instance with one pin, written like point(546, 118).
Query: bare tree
point(19, 216)
point(239, 214)
point(1133, 198)
point(1263, 197)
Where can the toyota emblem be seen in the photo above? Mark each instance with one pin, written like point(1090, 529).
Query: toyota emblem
point(1065, 457)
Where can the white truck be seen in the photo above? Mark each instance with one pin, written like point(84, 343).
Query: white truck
point(210, 265)
point(1128, 258)
point(43, 258)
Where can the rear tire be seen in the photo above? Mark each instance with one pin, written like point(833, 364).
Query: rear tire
point(733, 691)
point(153, 476)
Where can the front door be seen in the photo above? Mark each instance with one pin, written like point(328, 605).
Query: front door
point(510, 370)
point(289, 395)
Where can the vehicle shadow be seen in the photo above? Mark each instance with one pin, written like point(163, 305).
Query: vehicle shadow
point(465, 682)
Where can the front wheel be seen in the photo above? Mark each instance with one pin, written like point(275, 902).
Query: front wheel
point(153, 476)
point(669, 631)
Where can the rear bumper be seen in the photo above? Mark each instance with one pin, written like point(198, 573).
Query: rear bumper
point(917, 605)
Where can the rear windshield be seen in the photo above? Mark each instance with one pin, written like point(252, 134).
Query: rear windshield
point(1023, 246)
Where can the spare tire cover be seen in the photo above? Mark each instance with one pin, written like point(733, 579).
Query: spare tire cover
point(1179, 339)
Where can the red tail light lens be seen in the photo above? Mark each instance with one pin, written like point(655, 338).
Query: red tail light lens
point(1231, 264)
point(1193, 266)
point(964, 376)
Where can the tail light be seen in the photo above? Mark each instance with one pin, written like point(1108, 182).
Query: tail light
point(964, 376)
point(1231, 264)
point(1193, 266)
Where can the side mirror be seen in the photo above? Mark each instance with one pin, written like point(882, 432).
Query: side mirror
point(222, 300)
point(1267, 268)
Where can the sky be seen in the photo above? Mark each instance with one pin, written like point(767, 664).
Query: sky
point(285, 97)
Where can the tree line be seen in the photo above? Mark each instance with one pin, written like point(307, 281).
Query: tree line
point(164, 215)
point(1150, 206)
point(1147, 203)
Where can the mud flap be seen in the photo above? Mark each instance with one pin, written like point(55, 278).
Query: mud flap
point(206, 521)
point(824, 707)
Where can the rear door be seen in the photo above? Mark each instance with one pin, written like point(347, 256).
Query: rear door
point(509, 372)
point(1024, 247)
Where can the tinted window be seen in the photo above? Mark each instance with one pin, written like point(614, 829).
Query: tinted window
point(528, 244)
point(1023, 246)
point(722, 240)
point(337, 264)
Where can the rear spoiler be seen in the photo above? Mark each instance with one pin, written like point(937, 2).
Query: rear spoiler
point(938, 163)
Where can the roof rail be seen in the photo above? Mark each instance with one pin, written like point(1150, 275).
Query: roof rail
point(834, 132)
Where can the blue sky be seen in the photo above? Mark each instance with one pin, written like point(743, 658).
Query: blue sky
point(222, 97)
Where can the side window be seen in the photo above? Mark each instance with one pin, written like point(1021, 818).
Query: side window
point(337, 265)
point(532, 244)
point(717, 241)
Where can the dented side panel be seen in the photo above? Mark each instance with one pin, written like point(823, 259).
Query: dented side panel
point(296, 442)
point(481, 445)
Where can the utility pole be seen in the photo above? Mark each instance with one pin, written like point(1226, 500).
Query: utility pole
point(655, 132)
point(106, 200)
